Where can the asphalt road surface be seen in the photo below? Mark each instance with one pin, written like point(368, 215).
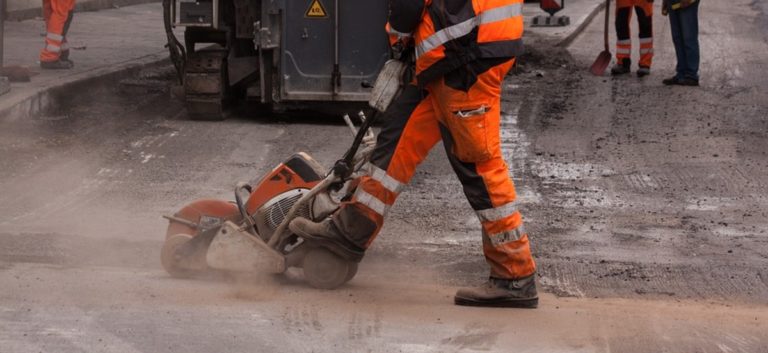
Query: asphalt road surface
point(647, 207)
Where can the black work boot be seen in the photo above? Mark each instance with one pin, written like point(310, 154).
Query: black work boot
point(643, 71)
point(680, 81)
point(621, 68)
point(506, 293)
point(57, 65)
point(686, 81)
point(670, 81)
point(326, 234)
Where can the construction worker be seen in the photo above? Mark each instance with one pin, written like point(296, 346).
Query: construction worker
point(644, 10)
point(463, 50)
point(684, 22)
point(58, 17)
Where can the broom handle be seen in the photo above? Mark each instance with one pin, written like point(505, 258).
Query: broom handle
point(607, 19)
point(2, 26)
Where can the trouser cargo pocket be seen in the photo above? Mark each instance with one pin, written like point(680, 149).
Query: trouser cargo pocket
point(469, 126)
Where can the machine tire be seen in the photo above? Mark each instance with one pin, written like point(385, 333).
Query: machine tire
point(167, 258)
point(351, 271)
point(326, 270)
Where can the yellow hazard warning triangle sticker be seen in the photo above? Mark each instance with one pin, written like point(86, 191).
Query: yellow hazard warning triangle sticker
point(316, 10)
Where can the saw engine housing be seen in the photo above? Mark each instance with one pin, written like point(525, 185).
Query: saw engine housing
point(278, 191)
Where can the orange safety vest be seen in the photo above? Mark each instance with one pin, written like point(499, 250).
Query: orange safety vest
point(452, 33)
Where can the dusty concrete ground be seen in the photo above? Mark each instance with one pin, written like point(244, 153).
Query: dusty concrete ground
point(646, 205)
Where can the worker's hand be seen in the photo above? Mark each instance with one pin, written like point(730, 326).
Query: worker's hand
point(665, 7)
point(403, 50)
point(686, 3)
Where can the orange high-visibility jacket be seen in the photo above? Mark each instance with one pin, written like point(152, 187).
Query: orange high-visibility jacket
point(447, 34)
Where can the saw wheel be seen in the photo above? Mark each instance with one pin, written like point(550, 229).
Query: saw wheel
point(326, 270)
point(179, 268)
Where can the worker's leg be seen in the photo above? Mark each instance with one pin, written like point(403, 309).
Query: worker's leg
point(64, 43)
point(47, 10)
point(675, 24)
point(645, 23)
point(411, 130)
point(55, 29)
point(689, 25)
point(470, 126)
point(491, 194)
point(623, 40)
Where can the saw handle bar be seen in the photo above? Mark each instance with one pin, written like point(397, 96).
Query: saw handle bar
point(366, 147)
point(343, 168)
point(241, 206)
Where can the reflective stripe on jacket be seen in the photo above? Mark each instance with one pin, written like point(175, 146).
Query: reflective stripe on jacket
point(450, 33)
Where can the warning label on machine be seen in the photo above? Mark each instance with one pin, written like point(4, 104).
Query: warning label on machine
point(316, 10)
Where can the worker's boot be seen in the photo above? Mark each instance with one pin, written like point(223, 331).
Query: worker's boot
point(670, 81)
point(674, 80)
point(643, 71)
point(57, 65)
point(622, 67)
point(326, 234)
point(508, 293)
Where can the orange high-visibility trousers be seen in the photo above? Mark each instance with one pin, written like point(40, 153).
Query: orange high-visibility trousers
point(58, 16)
point(644, 10)
point(462, 110)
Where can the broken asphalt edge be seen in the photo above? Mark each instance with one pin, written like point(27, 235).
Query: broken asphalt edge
point(583, 22)
point(43, 99)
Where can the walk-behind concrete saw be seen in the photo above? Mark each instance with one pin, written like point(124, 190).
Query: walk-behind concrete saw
point(251, 235)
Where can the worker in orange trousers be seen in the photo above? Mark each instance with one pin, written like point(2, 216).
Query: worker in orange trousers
point(463, 50)
point(58, 17)
point(644, 11)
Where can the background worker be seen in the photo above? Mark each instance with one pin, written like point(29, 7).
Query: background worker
point(644, 10)
point(463, 50)
point(684, 22)
point(58, 17)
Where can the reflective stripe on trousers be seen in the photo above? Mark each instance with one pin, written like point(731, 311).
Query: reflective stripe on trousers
point(54, 36)
point(508, 236)
point(498, 214)
point(391, 188)
point(53, 48)
point(381, 176)
point(370, 201)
